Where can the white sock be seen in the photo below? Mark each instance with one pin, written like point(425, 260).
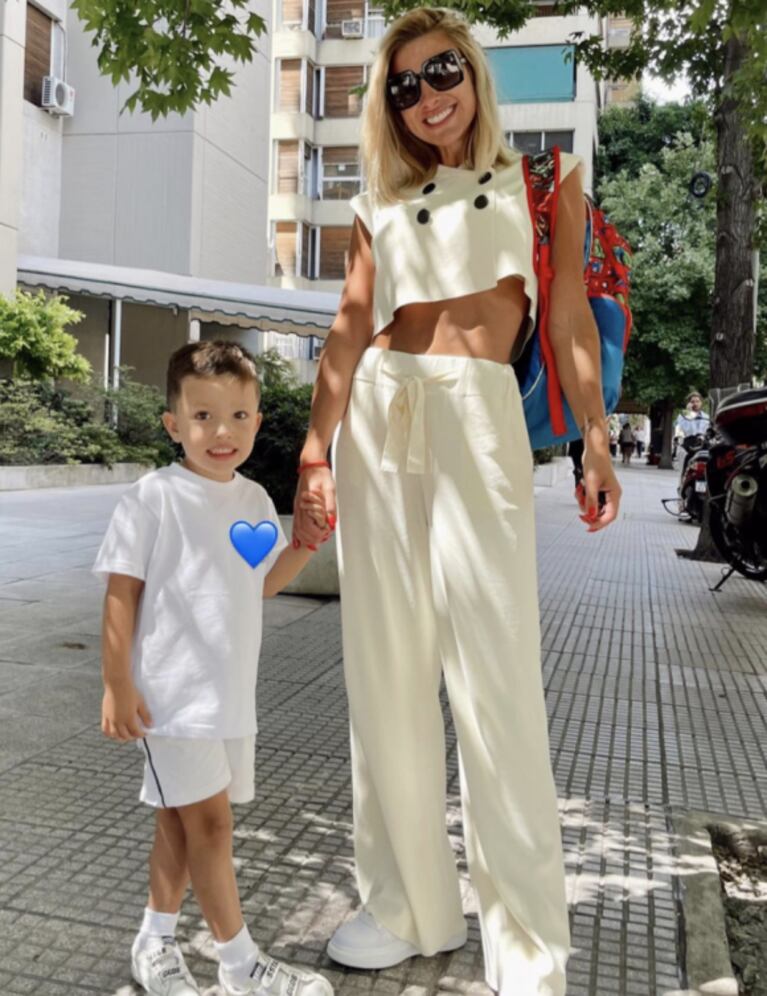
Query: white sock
point(238, 956)
point(157, 924)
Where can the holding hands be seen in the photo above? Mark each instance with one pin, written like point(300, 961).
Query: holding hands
point(314, 508)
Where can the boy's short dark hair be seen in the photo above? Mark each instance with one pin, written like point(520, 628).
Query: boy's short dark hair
point(210, 358)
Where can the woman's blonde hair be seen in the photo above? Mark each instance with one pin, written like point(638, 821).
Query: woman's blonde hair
point(393, 159)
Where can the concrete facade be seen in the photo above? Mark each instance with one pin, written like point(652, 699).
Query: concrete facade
point(12, 35)
point(184, 193)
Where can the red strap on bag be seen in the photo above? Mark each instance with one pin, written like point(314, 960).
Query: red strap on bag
point(542, 184)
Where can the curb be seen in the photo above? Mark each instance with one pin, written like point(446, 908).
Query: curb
point(68, 475)
point(708, 970)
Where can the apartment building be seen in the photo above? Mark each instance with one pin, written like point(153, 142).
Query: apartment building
point(322, 50)
point(157, 230)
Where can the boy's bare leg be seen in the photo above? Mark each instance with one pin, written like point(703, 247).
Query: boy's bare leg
point(208, 829)
point(168, 871)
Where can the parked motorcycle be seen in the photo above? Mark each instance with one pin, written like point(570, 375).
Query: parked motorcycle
point(688, 507)
point(736, 473)
point(692, 486)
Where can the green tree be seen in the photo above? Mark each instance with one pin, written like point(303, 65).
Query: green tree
point(178, 52)
point(274, 370)
point(633, 135)
point(33, 337)
point(672, 236)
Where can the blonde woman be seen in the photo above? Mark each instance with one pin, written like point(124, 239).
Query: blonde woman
point(433, 472)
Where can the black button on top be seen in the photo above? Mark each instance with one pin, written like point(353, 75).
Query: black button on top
point(485, 177)
point(429, 187)
point(481, 201)
point(423, 216)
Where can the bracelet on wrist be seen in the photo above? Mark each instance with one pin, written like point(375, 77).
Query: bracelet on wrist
point(316, 463)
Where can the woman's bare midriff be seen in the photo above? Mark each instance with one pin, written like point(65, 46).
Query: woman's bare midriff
point(483, 325)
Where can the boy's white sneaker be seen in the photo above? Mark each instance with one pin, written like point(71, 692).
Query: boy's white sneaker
point(270, 977)
point(159, 966)
point(363, 943)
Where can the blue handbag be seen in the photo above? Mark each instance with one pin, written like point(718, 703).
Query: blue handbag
point(607, 270)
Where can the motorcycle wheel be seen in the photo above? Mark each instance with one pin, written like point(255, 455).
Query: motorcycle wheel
point(748, 563)
point(692, 505)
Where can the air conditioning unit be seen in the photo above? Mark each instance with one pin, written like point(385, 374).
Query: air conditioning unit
point(354, 28)
point(317, 345)
point(58, 97)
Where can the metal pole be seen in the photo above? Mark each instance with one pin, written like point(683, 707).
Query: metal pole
point(117, 322)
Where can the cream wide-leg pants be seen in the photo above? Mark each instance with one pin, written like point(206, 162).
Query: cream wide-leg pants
point(437, 563)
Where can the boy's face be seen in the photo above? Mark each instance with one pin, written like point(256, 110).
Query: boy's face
point(216, 420)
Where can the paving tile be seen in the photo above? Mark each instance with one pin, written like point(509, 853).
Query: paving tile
point(656, 693)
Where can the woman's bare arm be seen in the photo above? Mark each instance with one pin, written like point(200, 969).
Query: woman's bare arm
point(575, 341)
point(348, 338)
point(572, 328)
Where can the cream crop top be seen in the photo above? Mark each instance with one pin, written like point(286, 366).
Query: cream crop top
point(459, 234)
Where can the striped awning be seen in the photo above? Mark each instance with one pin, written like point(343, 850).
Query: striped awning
point(246, 305)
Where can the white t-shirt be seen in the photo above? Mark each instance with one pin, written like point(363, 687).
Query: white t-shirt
point(198, 633)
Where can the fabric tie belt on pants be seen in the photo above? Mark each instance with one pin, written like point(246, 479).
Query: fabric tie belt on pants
point(406, 429)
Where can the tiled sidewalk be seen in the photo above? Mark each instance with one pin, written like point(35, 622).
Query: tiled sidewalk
point(656, 696)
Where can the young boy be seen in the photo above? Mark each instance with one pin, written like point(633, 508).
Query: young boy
point(181, 640)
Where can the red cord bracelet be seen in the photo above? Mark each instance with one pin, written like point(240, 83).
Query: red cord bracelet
point(306, 466)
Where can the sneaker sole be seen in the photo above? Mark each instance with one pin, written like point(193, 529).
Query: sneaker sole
point(139, 983)
point(373, 959)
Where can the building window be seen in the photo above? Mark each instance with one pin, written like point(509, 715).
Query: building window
point(528, 74)
point(292, 14)
point(538, 141)
point(339, 101)
point(310, 172)
point(334, 248)
point(375, 25)
point(37, 53)
point(309, 103)
point(287, 167)
point(298, 15)
point(285, 249)
point(341, 178)
point(353, 19)
point(299, 87)
point(309, 251)
point(289, 85)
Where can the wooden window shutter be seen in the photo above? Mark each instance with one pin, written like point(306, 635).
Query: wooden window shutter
point(285, 248)
point(290, 85)
point(37, 54)
point(333, 253)
point(287, 168)
point(339, 80)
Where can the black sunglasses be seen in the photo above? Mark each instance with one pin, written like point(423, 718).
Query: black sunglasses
point(441, 72)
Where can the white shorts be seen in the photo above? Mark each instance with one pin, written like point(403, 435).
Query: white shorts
point(179, 772)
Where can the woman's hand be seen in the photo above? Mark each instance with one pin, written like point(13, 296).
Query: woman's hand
point(598, 476)
point(318, 481)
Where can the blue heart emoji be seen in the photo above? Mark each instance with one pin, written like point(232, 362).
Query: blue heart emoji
point(253, 543)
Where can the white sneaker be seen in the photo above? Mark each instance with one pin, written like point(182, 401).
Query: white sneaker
point(364, 943)
point(159, 967)
point(270, 977)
